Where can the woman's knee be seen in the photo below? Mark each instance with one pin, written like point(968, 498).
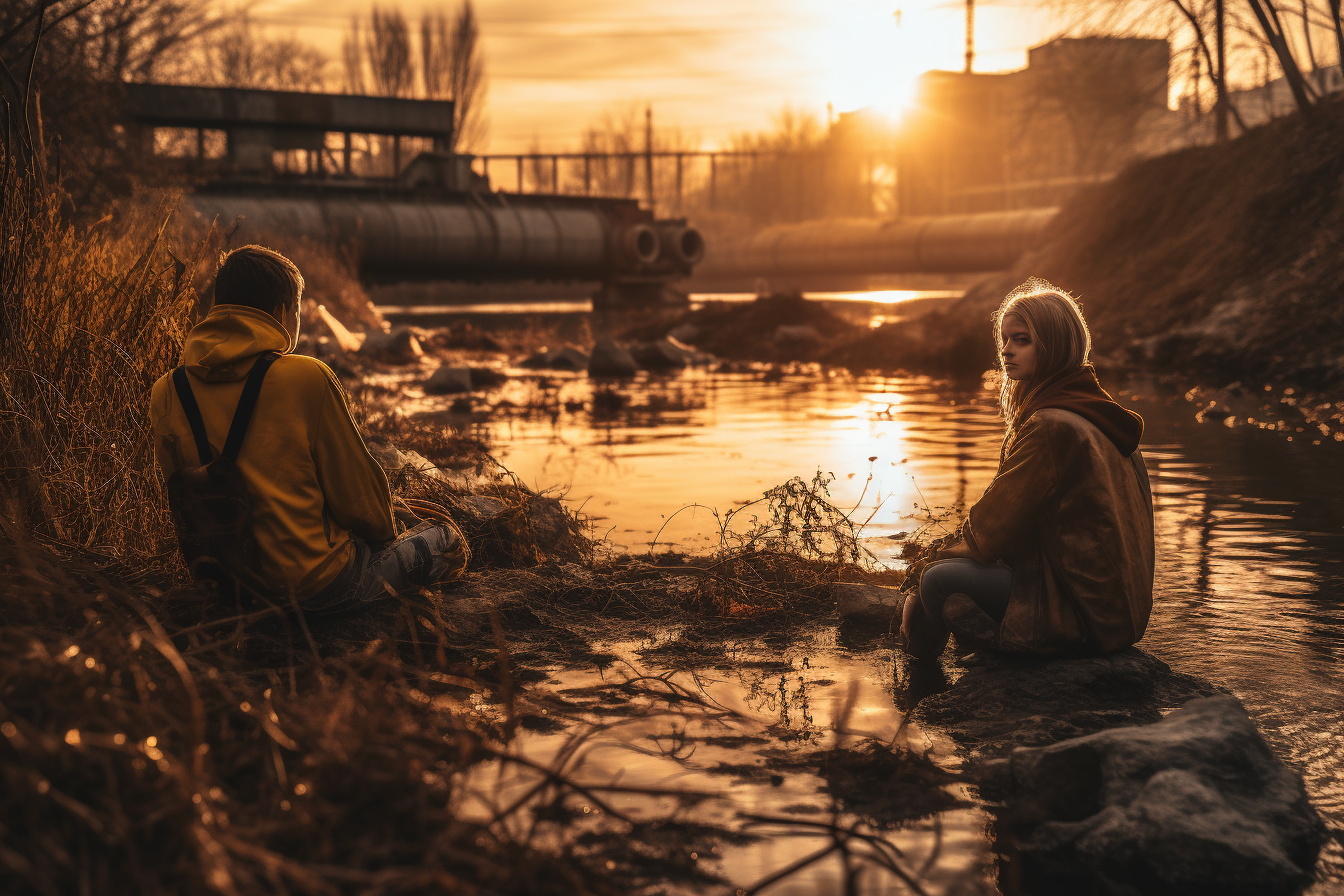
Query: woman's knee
point(942, 577)
point(933, 582)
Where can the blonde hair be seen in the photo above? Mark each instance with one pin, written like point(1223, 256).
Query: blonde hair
point(1063, 342)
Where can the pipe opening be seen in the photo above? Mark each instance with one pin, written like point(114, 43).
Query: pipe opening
point(642, 244)
point(646, 245)
point(692, 246)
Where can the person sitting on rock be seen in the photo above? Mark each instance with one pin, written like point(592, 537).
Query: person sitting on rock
point(1057, 556)
point(321, 518)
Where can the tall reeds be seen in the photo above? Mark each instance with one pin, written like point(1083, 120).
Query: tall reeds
point(90, 318)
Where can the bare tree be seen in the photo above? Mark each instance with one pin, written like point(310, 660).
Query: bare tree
point(466, 78)
point(352, 58)
point(86, 51)
point(387, 49)
point(435, 52)
point(379, 54)
point(1272, 27)
point(613, 140)
point(243, 55)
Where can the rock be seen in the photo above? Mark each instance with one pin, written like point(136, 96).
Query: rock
point(567, 358)
point(686, 334)
point(398, 347)
point(800, 334)
point(1195, 803)
point(482, 507)
point(548, 522)
point(1003, 701)
point(388, 457)
point(393, 460)
point(449, 381)
point(664, 354)
point(609, 359)
point(487, 377)
point(341, 337)
point(868, 605)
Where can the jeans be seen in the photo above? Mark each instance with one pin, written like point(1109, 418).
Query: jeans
point(988, 584)
point(422, 556)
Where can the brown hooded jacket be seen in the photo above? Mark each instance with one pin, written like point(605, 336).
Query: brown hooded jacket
point(1071, 513)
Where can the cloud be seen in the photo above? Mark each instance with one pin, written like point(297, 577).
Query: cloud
point(716, 67)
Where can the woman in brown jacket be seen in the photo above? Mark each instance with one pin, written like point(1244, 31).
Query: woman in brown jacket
point(1057, 556)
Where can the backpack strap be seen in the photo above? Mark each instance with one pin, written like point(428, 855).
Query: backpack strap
point(193, 412)
point(233, 443)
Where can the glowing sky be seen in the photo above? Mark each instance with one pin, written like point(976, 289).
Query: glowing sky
point(710, 67)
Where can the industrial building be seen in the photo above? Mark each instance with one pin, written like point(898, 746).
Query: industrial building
point(1079, 111)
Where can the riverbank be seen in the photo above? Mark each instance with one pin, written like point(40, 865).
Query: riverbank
point(558, 720)
point(541, 650)
point(1214, 265)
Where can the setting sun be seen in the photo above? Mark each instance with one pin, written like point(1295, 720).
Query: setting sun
point(870, 53)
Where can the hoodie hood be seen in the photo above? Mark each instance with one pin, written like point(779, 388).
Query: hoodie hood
point(223, 345)
point(1080, 393)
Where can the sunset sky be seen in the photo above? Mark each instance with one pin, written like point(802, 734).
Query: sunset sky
point(710, 67)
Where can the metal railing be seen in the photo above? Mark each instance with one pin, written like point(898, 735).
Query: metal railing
point(597, 174)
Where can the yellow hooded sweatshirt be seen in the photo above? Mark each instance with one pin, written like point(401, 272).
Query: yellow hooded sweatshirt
point(312, 479)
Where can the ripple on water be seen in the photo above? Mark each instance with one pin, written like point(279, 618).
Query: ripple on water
point(1248, 525)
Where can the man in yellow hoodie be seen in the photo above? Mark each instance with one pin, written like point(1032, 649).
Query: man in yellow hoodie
point(321, 508)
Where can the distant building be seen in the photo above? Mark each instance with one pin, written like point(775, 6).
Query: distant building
point(1079, 111)
point(1258, 105)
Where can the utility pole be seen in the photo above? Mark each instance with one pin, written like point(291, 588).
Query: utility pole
point(970, 33)
point(1220, 101)
point(648, 152)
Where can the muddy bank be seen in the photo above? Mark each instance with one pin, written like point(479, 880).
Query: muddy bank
point(311, 730)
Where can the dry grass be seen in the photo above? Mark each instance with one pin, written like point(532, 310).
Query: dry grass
point(151, 743)
point(91, 318)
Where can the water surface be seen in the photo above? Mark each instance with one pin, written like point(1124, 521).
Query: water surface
point(1250, 525)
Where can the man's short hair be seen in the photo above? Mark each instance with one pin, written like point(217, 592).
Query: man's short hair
point(259, 278)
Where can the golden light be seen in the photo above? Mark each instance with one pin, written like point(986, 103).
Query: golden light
point(872, 51)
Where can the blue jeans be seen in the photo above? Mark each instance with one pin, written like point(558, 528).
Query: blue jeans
point(423, 556)
point(988, 584)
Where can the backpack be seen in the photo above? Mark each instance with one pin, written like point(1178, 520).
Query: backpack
point(211, 506)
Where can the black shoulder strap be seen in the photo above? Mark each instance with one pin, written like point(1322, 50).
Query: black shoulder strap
point(233, 443)
point(193, 412)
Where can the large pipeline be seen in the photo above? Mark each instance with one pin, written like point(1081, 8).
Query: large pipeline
point(474, 236)
point(943, 244)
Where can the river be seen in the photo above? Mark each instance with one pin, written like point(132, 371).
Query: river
point(1249, 523)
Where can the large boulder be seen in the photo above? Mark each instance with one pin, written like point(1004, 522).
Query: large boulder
point(487, 377)
point(686, 334)
point(1004, 701)
point(797, 335)
point(1194, 803)
point(401, 346)
point(662, 354)
point(868, 605)
point(567, 358)
point(452, 380)
point(448, 380)
point(610, 359)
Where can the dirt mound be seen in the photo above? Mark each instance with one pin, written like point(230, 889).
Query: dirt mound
point(1217, 262)
point(783, 327)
